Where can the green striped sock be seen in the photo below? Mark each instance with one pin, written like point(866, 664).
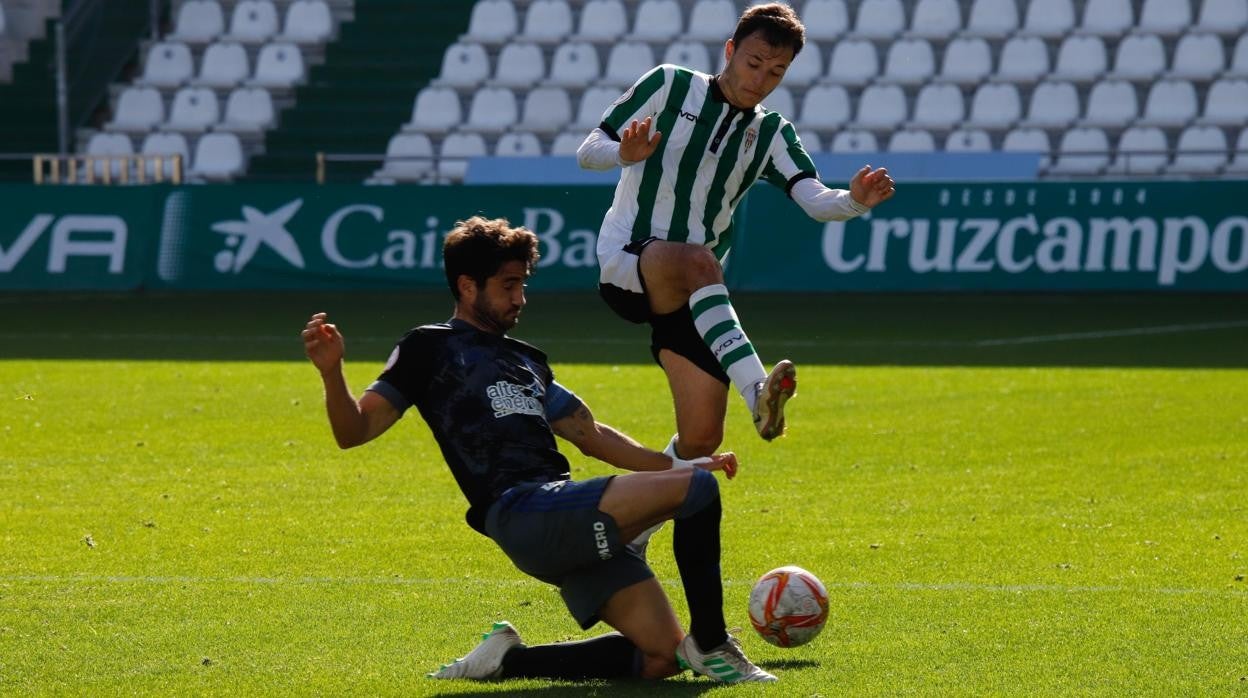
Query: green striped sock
point(719, 327)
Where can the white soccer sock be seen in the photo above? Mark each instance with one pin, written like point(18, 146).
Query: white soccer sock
point(719, 327)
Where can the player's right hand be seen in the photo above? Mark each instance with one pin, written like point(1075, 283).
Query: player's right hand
point(323, 343)
point(636, 143)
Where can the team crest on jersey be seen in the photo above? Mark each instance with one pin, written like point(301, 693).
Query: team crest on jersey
point(750, 135)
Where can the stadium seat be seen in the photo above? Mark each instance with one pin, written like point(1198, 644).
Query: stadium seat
point(1226, 104)
point(278, 66)
point(139, 109)
point(936, 19)
point(223, 66)
point(593, 105)
point(520, 64)
point(1023, 59)
point(248, 110)
point(1026, 140)
point(109, 144)
point(1239, 164)
point(517, 145)
point(1108, 17)
point(627, 62)
point(546, 110)
point(168, 64)
point(712, 20)
point(436, 110)
point(464, 65)
point(492, 21)
point(1239, 60)
point(825, 107)
point(855, 142)
point(1165, 17)
point(781, 100)
point(909, 62)
point(1082, 151)
point(938, 107)
point(165, 145)
point(1201, 150)
point(454, 153)
point(992, 19)
point(1198, 57)
point(547, 21)
point(567, 143)
point(1170, 103)
point(911, 141)
point(1111, 103)
point(1053, 105)
point(1081, 59)
point(1140, 58)
point(1141, 150)
point(575, 65)
point(194, 110)
point(1227, 17)
point(880, 108)
point(854, 62)
point(493, 110)
point(996, 106)
point(811, 142)
point(690, 54)
point(968, 141)
point(807, 67)
point(252, 22)
point(409, 158)
point(967, 61)
point(658, 20)
point(880, 19)
point(307, 22)
point(218, 157)
point(602, 21)
point(1050, 19)
point(825, 20)
point(199, 22)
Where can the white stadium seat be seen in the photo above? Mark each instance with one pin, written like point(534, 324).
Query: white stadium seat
point(493, 110)
point(1081, 59)
point(1111, 103)
point(492, 21)
point(1201, 150)
point(547, 21)
point(567, 143)
point(1226, 104)
point(109, 144)
point(1140, 58)
point(1239, 60)
point(854, 62)
point(278, 65)
point(1239, 165)
point(967, 61)
point(880, 19)
point(1166, 17)
point(194, 110)
point(464, 65)
point(811, 142)
point(546, 110)
point(658, 20)
point(454, 153)
point(825, 20)
point(593, 105)
point(1026, 140)
point(520, 64)
point(825, 107)
point(165, 145)
point(218, 157)
point(575, 65)
point(1082, 151)
point(602, 21)
point(968, 141)
point(996, 106)
point(627, 62)
point(248, 110)
point(781, 100)
point(1107, 17)
point(1024, 59)
point(138, 110)
point(512, 145)
point(1141, 150)
point(939, 107)
point(881, 107)
point(253, 22)
point(409, 158)
point(1198, 57)
point(936, 19)
point(992, 19)
point(909, 62)
point(807, 67)
point(1170, 103)
point(911, 141)
point(223, 66)
point(168, 64)
point(690, 54)
point(855, 142)
point(1227, 17)
point(199, 22)
point(436, 110)
point(308, 22)
point(1053, 105)
point(1049, 18)
point(712, 20)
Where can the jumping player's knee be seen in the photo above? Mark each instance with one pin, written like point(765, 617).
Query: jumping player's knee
point(703, 491)
point(703, 268)
point(700, 443)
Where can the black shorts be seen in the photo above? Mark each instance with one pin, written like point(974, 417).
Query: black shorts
point(674, 331)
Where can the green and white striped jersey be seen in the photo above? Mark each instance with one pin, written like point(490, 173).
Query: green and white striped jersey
point(710, 154)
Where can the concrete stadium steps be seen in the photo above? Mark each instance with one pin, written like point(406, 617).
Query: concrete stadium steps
point(28, 119)
point(357, 99)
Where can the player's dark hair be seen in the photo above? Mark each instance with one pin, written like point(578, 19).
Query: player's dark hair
point(776, 23)
point(479, 246)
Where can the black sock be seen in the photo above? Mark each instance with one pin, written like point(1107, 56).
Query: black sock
point(695, 542)
point(610, 656)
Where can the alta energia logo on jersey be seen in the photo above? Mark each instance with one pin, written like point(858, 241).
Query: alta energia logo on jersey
point(509, 398)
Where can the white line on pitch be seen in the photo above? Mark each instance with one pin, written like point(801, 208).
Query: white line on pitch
point(1106, 334)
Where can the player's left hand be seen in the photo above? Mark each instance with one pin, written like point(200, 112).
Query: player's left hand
point(872, 187)
point(726, 462)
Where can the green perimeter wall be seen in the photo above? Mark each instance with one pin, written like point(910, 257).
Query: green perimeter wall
point(1187, 236)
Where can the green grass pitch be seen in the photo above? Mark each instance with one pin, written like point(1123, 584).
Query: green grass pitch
point(1005, 495)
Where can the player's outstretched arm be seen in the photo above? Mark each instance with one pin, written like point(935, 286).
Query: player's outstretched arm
point(612, 446)
point(353, 422)
point(868, 189)
point(872, 187)
point(600, 152)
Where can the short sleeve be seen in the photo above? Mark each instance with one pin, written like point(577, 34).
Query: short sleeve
point(406, 374)
point(560, 402)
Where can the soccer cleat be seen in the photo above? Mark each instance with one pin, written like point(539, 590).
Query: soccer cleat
point(770, 397)
point(725, 663)
point(485, 661)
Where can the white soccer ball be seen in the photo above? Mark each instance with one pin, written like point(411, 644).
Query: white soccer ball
point(788, 606)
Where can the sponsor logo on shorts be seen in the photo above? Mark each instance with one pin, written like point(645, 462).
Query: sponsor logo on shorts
point(600, 540)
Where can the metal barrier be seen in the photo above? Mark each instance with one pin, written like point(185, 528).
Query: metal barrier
point(107, 169)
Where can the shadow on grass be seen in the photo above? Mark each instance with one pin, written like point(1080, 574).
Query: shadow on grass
point(1139, 330)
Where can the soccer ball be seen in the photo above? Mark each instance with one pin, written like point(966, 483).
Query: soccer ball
point(788, 606)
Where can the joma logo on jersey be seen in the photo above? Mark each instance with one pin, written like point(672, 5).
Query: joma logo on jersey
point(600, 540)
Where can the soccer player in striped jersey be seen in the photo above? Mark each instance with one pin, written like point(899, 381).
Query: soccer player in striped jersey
point(690, 145)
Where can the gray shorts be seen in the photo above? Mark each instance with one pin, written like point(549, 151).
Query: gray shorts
point(554, 531)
